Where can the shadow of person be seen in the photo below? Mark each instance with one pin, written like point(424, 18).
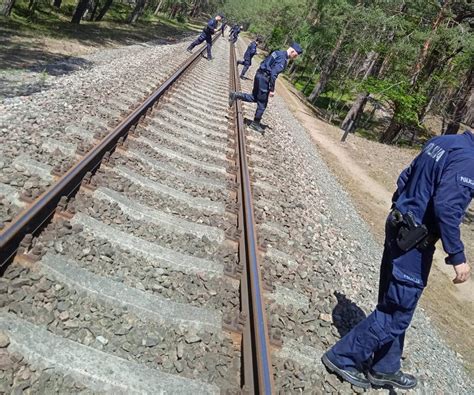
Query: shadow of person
point(248, 121)
point(346, 314)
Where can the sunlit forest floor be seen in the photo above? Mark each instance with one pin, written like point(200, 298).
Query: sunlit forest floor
point(29, 40)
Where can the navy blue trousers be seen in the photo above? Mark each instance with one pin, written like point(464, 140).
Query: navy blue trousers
point(381, 335)
point(260, 92)
point(203, 37)
point(246, 63)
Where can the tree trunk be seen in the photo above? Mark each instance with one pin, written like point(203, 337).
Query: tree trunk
point(328, 68)
point(94, 10)
point(104, 10)
point(32, 6)
point(392, 132)
point(292, 70)
point(158, 7)
point(137, 11)
point(79, 12)
point(174, 10)
point(419, 65)
point(459, 107)
point(302, 71)
point(469, 118)
point(309, 79)
point(352, 117)
point(353, 61)
point(367, 67)
point(57, 3)
point(6, 7)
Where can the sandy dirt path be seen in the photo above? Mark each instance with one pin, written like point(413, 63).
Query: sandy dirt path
point(355, 164)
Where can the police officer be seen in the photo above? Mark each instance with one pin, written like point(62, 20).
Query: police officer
point(249, 54)
point(223, 25)
point(432, 196)
point(206, 35)
point(264, 82)
point(234, 34)
point(232, 29)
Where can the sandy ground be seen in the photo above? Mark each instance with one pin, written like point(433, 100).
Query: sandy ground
point(368, 171)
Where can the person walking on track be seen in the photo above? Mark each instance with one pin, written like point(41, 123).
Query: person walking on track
point(249, 54)
point(206, 35)
point(223, 26)
point(264, 82)
point(234, 34)
point(432, 197)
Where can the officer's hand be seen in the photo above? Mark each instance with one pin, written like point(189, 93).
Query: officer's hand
point(272, 94)
point(463, 272)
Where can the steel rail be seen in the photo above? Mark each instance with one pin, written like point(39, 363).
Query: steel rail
point(30, 220)
point(251, 287)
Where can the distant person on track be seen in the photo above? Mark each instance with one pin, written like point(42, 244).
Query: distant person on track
point(223, 26)
point(431, 199)
point(206, 35)
point(249, 54)
point(234, 34)
point(264, 82)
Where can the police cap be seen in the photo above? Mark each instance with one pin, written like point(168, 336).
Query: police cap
point(297, 48)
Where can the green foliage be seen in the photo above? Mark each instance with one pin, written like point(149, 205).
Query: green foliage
point(397, 30)
point(398, 95)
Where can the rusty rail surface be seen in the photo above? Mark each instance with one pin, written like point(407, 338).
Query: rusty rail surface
point(257, 372)
point(34, 217)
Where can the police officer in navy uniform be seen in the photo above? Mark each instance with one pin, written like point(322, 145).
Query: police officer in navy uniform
point(248, 55)
point(206, 35)
point(223, 25)
point(234, 34)
point(264, 82)
point(431, 199)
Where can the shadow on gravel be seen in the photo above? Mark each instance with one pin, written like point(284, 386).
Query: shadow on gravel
point(63, 66)
point(22, 56)
point(346, 314)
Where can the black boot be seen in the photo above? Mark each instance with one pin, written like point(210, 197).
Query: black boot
point(257, 126)
point(352, 376)
point(398, 380)
point(189, 49)
point(232, 98)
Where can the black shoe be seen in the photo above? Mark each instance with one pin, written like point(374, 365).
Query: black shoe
point(189, 50)
point(354, 377)
point(210, 58)
point(242, 77)
point(232, 97)
point(400, 380)
point(257, 126)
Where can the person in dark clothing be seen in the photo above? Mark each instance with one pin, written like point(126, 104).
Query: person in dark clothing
point(223, 26)
point(206, 35)
point(249, 54)
point(432, 197)
point(264, 82)
point(232, 29)
point(234, 34)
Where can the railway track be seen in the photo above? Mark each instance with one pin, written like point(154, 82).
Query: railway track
point(137, 269)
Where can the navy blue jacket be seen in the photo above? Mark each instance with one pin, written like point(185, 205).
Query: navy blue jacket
point(235, 30)
point(273, 65)
point(210, 27)
point(438, 187)
point(251, 51)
